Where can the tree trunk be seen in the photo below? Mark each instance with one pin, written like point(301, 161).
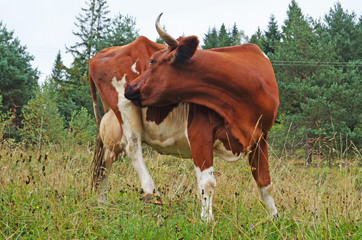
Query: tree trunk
point(308, 151)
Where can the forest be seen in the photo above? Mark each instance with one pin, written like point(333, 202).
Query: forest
point(317, 64)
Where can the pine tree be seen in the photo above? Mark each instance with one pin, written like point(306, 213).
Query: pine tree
point(18, 79)
point(297, 63)
point(272, 36)
point(223, 37)
point(345, 31)
point(121, 32)
point(237, 36)
point(211, 39)
point(258, 38)
point(92, 25)
point(58, 75)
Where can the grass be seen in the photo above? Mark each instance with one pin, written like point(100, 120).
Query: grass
point(47, 196)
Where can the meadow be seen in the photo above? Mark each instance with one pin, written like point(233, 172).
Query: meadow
point(47, 195)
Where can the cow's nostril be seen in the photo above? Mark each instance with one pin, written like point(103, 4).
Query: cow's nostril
point(131, 94)
point(128, 92)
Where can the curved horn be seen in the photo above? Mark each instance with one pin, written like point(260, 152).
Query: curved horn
point(164, 35)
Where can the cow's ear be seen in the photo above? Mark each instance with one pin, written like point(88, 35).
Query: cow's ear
point(186, 49)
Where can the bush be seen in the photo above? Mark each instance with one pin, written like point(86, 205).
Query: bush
point(42, 122)
point(82, 127)
point(6, 119)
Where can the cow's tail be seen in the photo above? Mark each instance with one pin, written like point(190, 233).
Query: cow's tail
point(97, 114)
point(98, 165)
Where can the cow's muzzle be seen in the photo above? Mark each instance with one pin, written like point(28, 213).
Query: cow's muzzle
point(133, 94)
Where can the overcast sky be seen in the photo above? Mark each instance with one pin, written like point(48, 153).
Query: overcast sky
point(45, 26)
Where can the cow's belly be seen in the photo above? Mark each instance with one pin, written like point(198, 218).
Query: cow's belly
point(170, 136)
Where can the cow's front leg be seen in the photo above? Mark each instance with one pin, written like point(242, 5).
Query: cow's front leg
point(200, 135)
point(134, 152)
point(206, 183)
point(258, 159)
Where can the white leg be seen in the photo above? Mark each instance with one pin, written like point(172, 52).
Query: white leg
point(134, 152)
point(265, 193)
point(206, 183)
point(132, 132)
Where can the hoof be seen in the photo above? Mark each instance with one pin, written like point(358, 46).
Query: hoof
point(158, 200)
point(275, 215)
point(147, 198)
point(152, 198)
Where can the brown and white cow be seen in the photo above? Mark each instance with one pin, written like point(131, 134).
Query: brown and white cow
point(121, 128)
point(230, 100)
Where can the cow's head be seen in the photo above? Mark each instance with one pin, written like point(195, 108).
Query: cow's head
point(168, 74)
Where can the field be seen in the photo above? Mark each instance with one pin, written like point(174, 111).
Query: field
point(48, 196)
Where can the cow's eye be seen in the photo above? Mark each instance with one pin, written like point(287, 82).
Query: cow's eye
point(152, 61)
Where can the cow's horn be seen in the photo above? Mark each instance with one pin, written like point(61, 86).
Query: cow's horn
point(164, 35)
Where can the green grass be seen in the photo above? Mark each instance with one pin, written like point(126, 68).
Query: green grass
point(50, 198)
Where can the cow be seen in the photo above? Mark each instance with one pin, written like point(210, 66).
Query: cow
point(120, 129)
point(232, 99)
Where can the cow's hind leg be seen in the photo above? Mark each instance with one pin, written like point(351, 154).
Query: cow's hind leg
point(106, 152)
point(200, 135)
point(103, 180)
point(258, 160)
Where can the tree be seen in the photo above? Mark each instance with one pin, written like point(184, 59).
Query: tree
point(17, 77)
point(237, 36)
point(258, 38)
point(58, 75)
point(211, 39)
point(223, 37)
point(121, 32)
point(298, 63)
point(61, 87)
point(42, 122)
point(91, 26)
point(272, 36)
point(345, 31)
point(5, 121)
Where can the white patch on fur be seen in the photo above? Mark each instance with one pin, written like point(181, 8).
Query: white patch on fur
point(265, 193)
point(265, 55)
point(133, 68)
point(207, 183)
point(169, 137)
point(221, 151)
point(187, 137)
point(132, 133)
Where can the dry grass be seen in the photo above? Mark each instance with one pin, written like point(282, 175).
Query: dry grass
point(48, 196)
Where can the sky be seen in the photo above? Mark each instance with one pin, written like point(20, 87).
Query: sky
point(46, 26)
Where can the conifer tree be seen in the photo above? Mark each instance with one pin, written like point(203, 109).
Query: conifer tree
point(18, 79)
point(121, 31)
point(91, 24)
point(345, 31)
point(297, 63)
point(223, 37)
point(258, 38)
point(211, 39)
point(58, 75)
point(272, 36)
